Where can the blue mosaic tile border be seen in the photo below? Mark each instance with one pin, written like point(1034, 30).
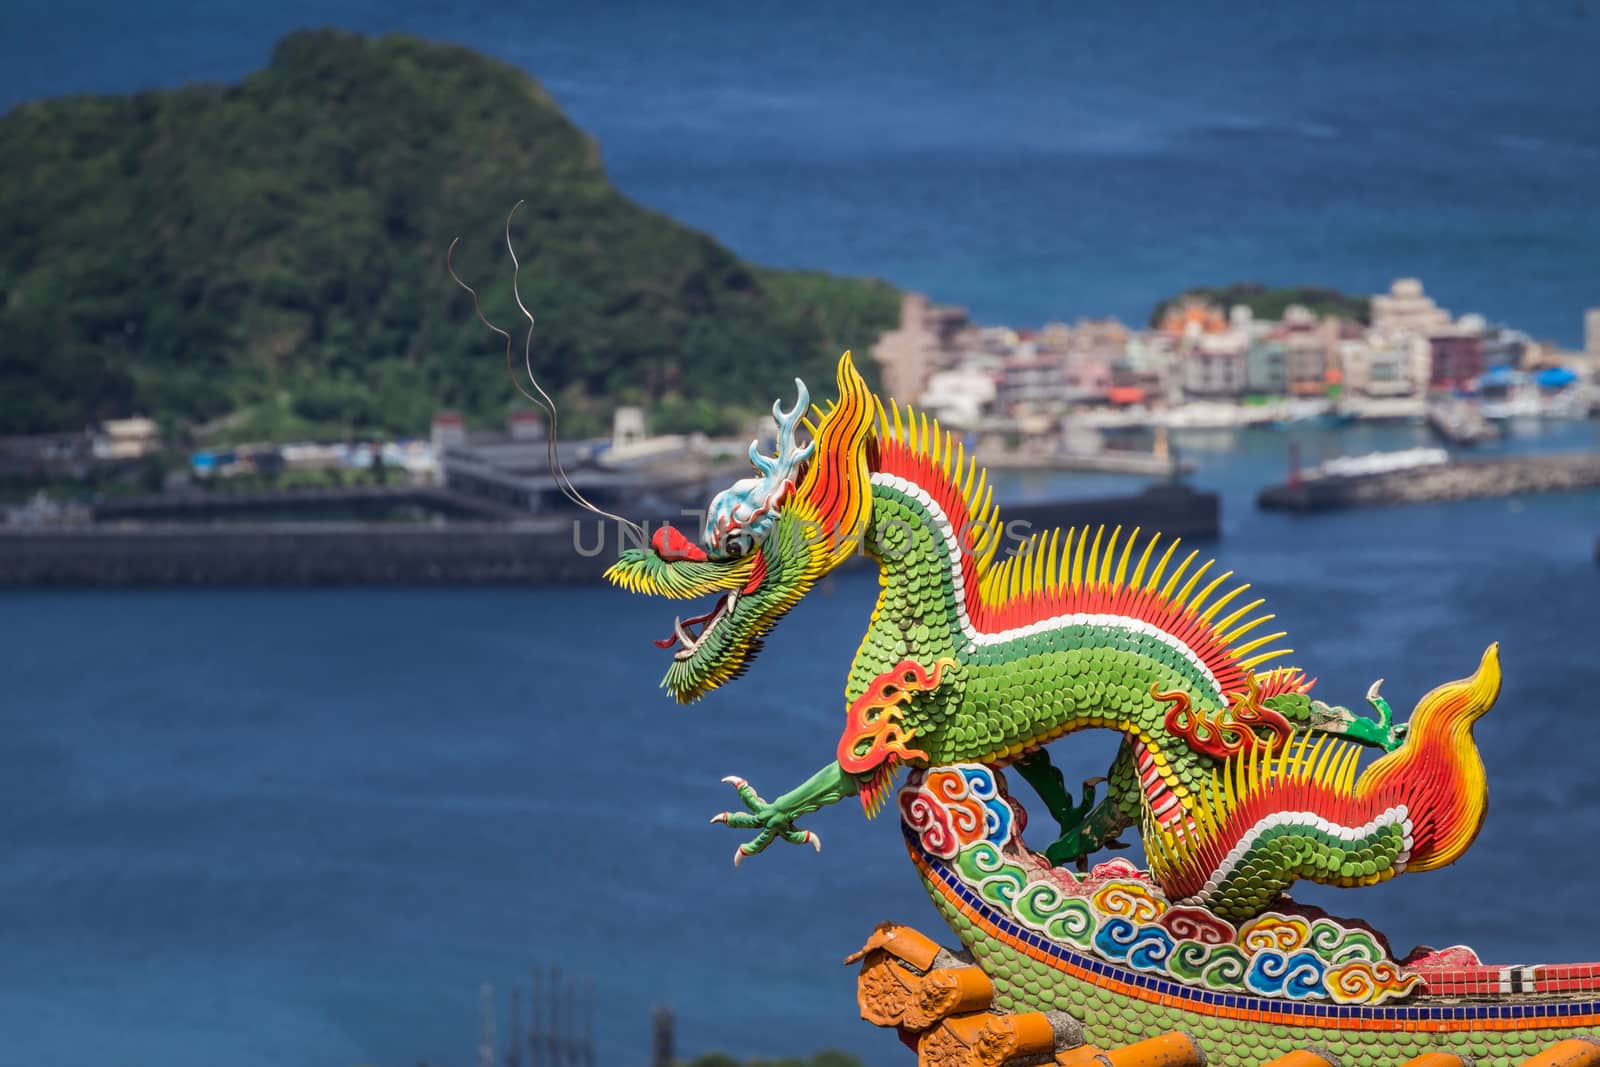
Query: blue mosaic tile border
point(1555, 1011)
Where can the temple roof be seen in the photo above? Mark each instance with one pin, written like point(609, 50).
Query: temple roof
point(942, 1004)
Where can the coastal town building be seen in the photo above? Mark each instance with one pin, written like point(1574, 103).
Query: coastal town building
point(1054, 339)
point(959, 397)
point(1407, 308)
point(1089, 377)
point(525, 425)
point(449, 431)
point(1310, 344)
point(1505, 347)
point(1213, 348)
point(1457, 358)
point(1095, 349)
point(911, 353)
point(1267, 367)
point(121, 439)
point(46, 456)
point(1386, 363)
point(1190, 320)
point(1102, 373)
point(1153, 362)
point(1031, 381)
point(1214, 367)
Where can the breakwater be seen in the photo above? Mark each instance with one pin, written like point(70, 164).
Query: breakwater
point(293, 553)
point(1458, 480)
point(345, 502)
point(527, 551)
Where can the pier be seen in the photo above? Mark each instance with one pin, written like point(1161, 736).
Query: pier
point(1460, 423)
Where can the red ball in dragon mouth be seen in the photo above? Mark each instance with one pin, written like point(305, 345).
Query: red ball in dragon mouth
point(671, 545)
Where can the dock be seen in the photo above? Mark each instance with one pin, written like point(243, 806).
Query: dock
point(1460, 479)
point(1459, 423)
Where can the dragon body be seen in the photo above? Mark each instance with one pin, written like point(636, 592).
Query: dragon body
point(988, 643)
point(1237, 780)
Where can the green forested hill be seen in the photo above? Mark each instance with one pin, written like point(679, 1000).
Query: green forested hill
point(1270, 303)
point(277, 247)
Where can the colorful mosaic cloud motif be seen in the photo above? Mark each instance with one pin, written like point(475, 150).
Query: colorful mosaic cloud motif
point(983, 649)
point(954, 808)
point(960, 815)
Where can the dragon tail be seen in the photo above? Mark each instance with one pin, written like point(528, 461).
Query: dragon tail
point(1303, 811)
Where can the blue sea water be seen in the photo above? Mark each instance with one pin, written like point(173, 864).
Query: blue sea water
point(261, 827)
point(1029, 160)
point(277, 826)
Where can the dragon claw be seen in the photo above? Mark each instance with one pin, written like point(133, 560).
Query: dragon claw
point(776, 820)
point(750, 798)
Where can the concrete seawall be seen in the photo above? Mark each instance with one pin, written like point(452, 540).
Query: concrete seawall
point(360, 553)
point(1461, 480)
point(294, 554)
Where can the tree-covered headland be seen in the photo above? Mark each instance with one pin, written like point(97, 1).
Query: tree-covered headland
point(275, 251)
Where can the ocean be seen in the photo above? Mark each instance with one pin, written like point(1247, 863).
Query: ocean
point(266, 827)
point(1030, 161)
point(261, 827)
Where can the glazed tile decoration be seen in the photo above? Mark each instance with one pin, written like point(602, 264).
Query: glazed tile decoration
point(983, 647)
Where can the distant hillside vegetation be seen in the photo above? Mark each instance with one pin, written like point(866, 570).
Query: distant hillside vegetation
point(277, 248)
point(1268, 303)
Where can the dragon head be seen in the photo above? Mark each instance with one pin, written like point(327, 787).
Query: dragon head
point(765, 541)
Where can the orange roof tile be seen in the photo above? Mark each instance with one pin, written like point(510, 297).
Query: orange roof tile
point(946, 1014)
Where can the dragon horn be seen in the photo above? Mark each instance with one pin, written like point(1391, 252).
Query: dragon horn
point(789, 421)
point(765, 464)
point(782, 465)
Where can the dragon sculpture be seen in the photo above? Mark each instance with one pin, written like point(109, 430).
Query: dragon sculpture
point(985, 647)
point(1237, 780)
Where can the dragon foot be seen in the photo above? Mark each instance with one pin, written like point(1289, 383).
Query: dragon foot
point(775, 820)
point(1095, 827)
point(1086, 827)
point(772, 821)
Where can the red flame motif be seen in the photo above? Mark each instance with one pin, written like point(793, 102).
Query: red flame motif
point(874, 717)
point(1219, 736)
